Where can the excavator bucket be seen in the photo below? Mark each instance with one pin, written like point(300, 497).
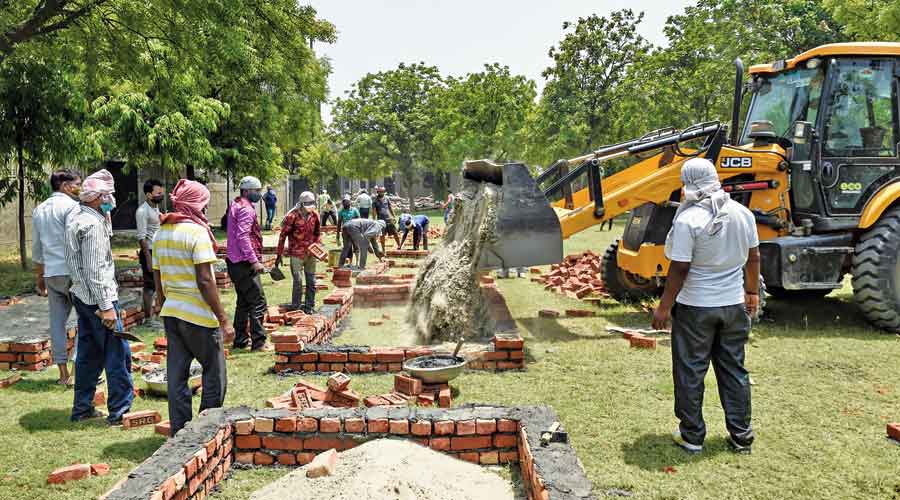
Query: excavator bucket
point(527, 228)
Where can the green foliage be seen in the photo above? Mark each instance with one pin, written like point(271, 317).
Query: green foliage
point(483, 115)
point(868, 20)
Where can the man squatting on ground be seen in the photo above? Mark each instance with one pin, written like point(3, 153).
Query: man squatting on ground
point(147, 219)
point(48, 252)
point(418, 224)
point(188, 301)
point(95, 296)
point(710, 295)
point(301, 228)
point(361, 233)
point(244, 266)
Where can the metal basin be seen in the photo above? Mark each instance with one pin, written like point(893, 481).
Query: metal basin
point(436, 375)
point(162, 388)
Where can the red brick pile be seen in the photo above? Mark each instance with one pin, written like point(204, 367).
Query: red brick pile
point(305, 395)
point(508, 353)
point(379, 295)
point(130, 277)
point(409, 391)
point(577, 276)
point(341, 278)
point(132, 316)
point(408, 254)
point(30, 354)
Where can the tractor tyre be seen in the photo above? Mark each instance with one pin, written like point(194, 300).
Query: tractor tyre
point(876, 272)
point(624, 286)
point(779, 293)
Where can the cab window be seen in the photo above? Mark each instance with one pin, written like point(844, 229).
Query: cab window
point(860, 120)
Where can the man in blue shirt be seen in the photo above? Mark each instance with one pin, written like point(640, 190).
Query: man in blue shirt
point(418, 224)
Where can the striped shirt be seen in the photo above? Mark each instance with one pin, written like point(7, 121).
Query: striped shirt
point(177, 248)
point(48, 233)
point(89, 258)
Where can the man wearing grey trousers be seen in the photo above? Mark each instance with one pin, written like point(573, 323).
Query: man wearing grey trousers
point(362, 233)
point(711, 293)
point(48, 252)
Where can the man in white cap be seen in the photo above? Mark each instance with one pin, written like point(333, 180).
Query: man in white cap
point(711, 293)
point(95, 297)
point(361, 233)
point(244, 249)
point(301, 227)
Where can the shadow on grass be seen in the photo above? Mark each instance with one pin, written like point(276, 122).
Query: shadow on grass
point(655, 452)
point(35, 386)
point(815, 318)
point(626, 319)
point(545, 329)
point(134, 450)
point(55, 419)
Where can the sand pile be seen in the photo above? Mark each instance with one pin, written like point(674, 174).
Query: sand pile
point(386, 469)
point(446, 301)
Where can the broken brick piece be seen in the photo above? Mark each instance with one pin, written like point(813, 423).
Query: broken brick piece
point(338, 382)
point(70, 473)
point(163, 428)
point(99, 469)
point(642, 342)
point(323, 464)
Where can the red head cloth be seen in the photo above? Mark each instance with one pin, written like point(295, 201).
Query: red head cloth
point(98, 184)
point(189, 198)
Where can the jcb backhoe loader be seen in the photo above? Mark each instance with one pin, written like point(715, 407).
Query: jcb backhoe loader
point(817, 162)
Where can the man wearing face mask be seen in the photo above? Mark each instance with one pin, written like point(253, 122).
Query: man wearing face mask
point(95, 296)
point(301, 228)
point(712, 291)
point(244, 266)
point(147, 217)
point(48, 234)
point(385, 213)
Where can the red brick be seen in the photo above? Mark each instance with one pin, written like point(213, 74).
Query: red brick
point(338, 382)
point(380, 367)
point(399, 426)
point(250, 442)
point(337, 367)
point(443, 427)
point(516, 355)
point(99, 469)
point(506, 425)
point(287, 459)
point(494, 355)
point(485, 426)
point(641, 342)
point(163, 428)
point(548, 313)
point(470, 443)
point(321, 443)
point(421, 428)
point(390, 355)
point(30, 347)
point(469, 456)
point(323, 367)
point(488, 458)
point(292, 347)
point(305, 357)
point(444, 400)
point(309, 367)
point(893, 430)
point(243, 457)
point(362, 357)
point(286, 424)
point(378, 425)
point(316, 392)
point(354, 424)
point(332, 357)
point(508, 342)
point(305, 457)
point(262, 424)
point(439, 443)
point(505, 441)
point(425, 399)
point(284, 338)
point(282, 443)
point(134, 419)
point(578, 313)
point(261, 458)
point(465, 427)
point(323, 464)
point(405, 384)
point(99, 398)
point(510, 365)
point(69, 473)
point(509, 457)
point(329, 425)
point(365, 368)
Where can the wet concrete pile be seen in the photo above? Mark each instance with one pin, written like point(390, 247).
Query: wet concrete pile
point(446, 303)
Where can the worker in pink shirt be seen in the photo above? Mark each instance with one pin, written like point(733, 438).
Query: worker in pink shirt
point(245, 268)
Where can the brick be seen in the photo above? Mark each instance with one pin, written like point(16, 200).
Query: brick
point(407, 385)
point(470, 443)
point(488, 458)
point(469, 456)
point(642, 342)
point(338, 382)
point(243, 457)
point(30, 347)
point(505, 441)
point(365, 368)
point(508, 342)
point(893, 430)
point(329, 424)
point(485, 426)
point(548, 313)
point(316, 392)
point(323, 464)
point(354, 424)
point(363, 357)
point(288, 347)
point(376, 322)
point(494, 355)
point(379, 425)
point(307, 424)
point(465, 427)
point(282, 443)
point(421, 428)
point(579, 313)
point(510, 365)
point(443, 427)
point(262, 424)
point(332, 357)
point(425, 399)
point(439, 443)
point(284, 338)
point(262, 458)
point(134, 419)
point(99, 398)
point(69, 473)
point(400, 426)
point(305, 457)
point(516, 355)
point(506, 425)
point(321, 443)
point(251, 442)
point(509, 457)
point(287, 459)
point(286, 424)
point(163, 428)
point(305, 357)
point(390, 355)
point(243, 427)
point(395, 367)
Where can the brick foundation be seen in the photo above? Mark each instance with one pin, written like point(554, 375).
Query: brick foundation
point(190, 465)
point(30, 353)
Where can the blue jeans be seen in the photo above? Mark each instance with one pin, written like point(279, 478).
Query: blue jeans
point(270, 214)
point(99, 350)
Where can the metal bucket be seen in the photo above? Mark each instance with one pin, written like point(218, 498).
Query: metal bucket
point(333, 256)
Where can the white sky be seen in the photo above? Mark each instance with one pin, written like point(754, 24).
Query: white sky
point(460, 36)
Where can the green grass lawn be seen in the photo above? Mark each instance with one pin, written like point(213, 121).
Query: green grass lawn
point(825, 385)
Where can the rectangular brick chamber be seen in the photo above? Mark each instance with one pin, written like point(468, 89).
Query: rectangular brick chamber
point(194, 462)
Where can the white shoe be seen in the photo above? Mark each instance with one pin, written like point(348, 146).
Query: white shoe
point(684, 445)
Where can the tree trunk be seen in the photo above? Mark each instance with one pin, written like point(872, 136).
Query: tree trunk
point(23, 254)
point(409, 180)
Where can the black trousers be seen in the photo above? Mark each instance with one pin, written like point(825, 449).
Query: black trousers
point(187, 342)
point(701, 335)
point(327, 215)
point(251, 305)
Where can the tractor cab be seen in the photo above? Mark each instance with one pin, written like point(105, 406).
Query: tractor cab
point(838, 112)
